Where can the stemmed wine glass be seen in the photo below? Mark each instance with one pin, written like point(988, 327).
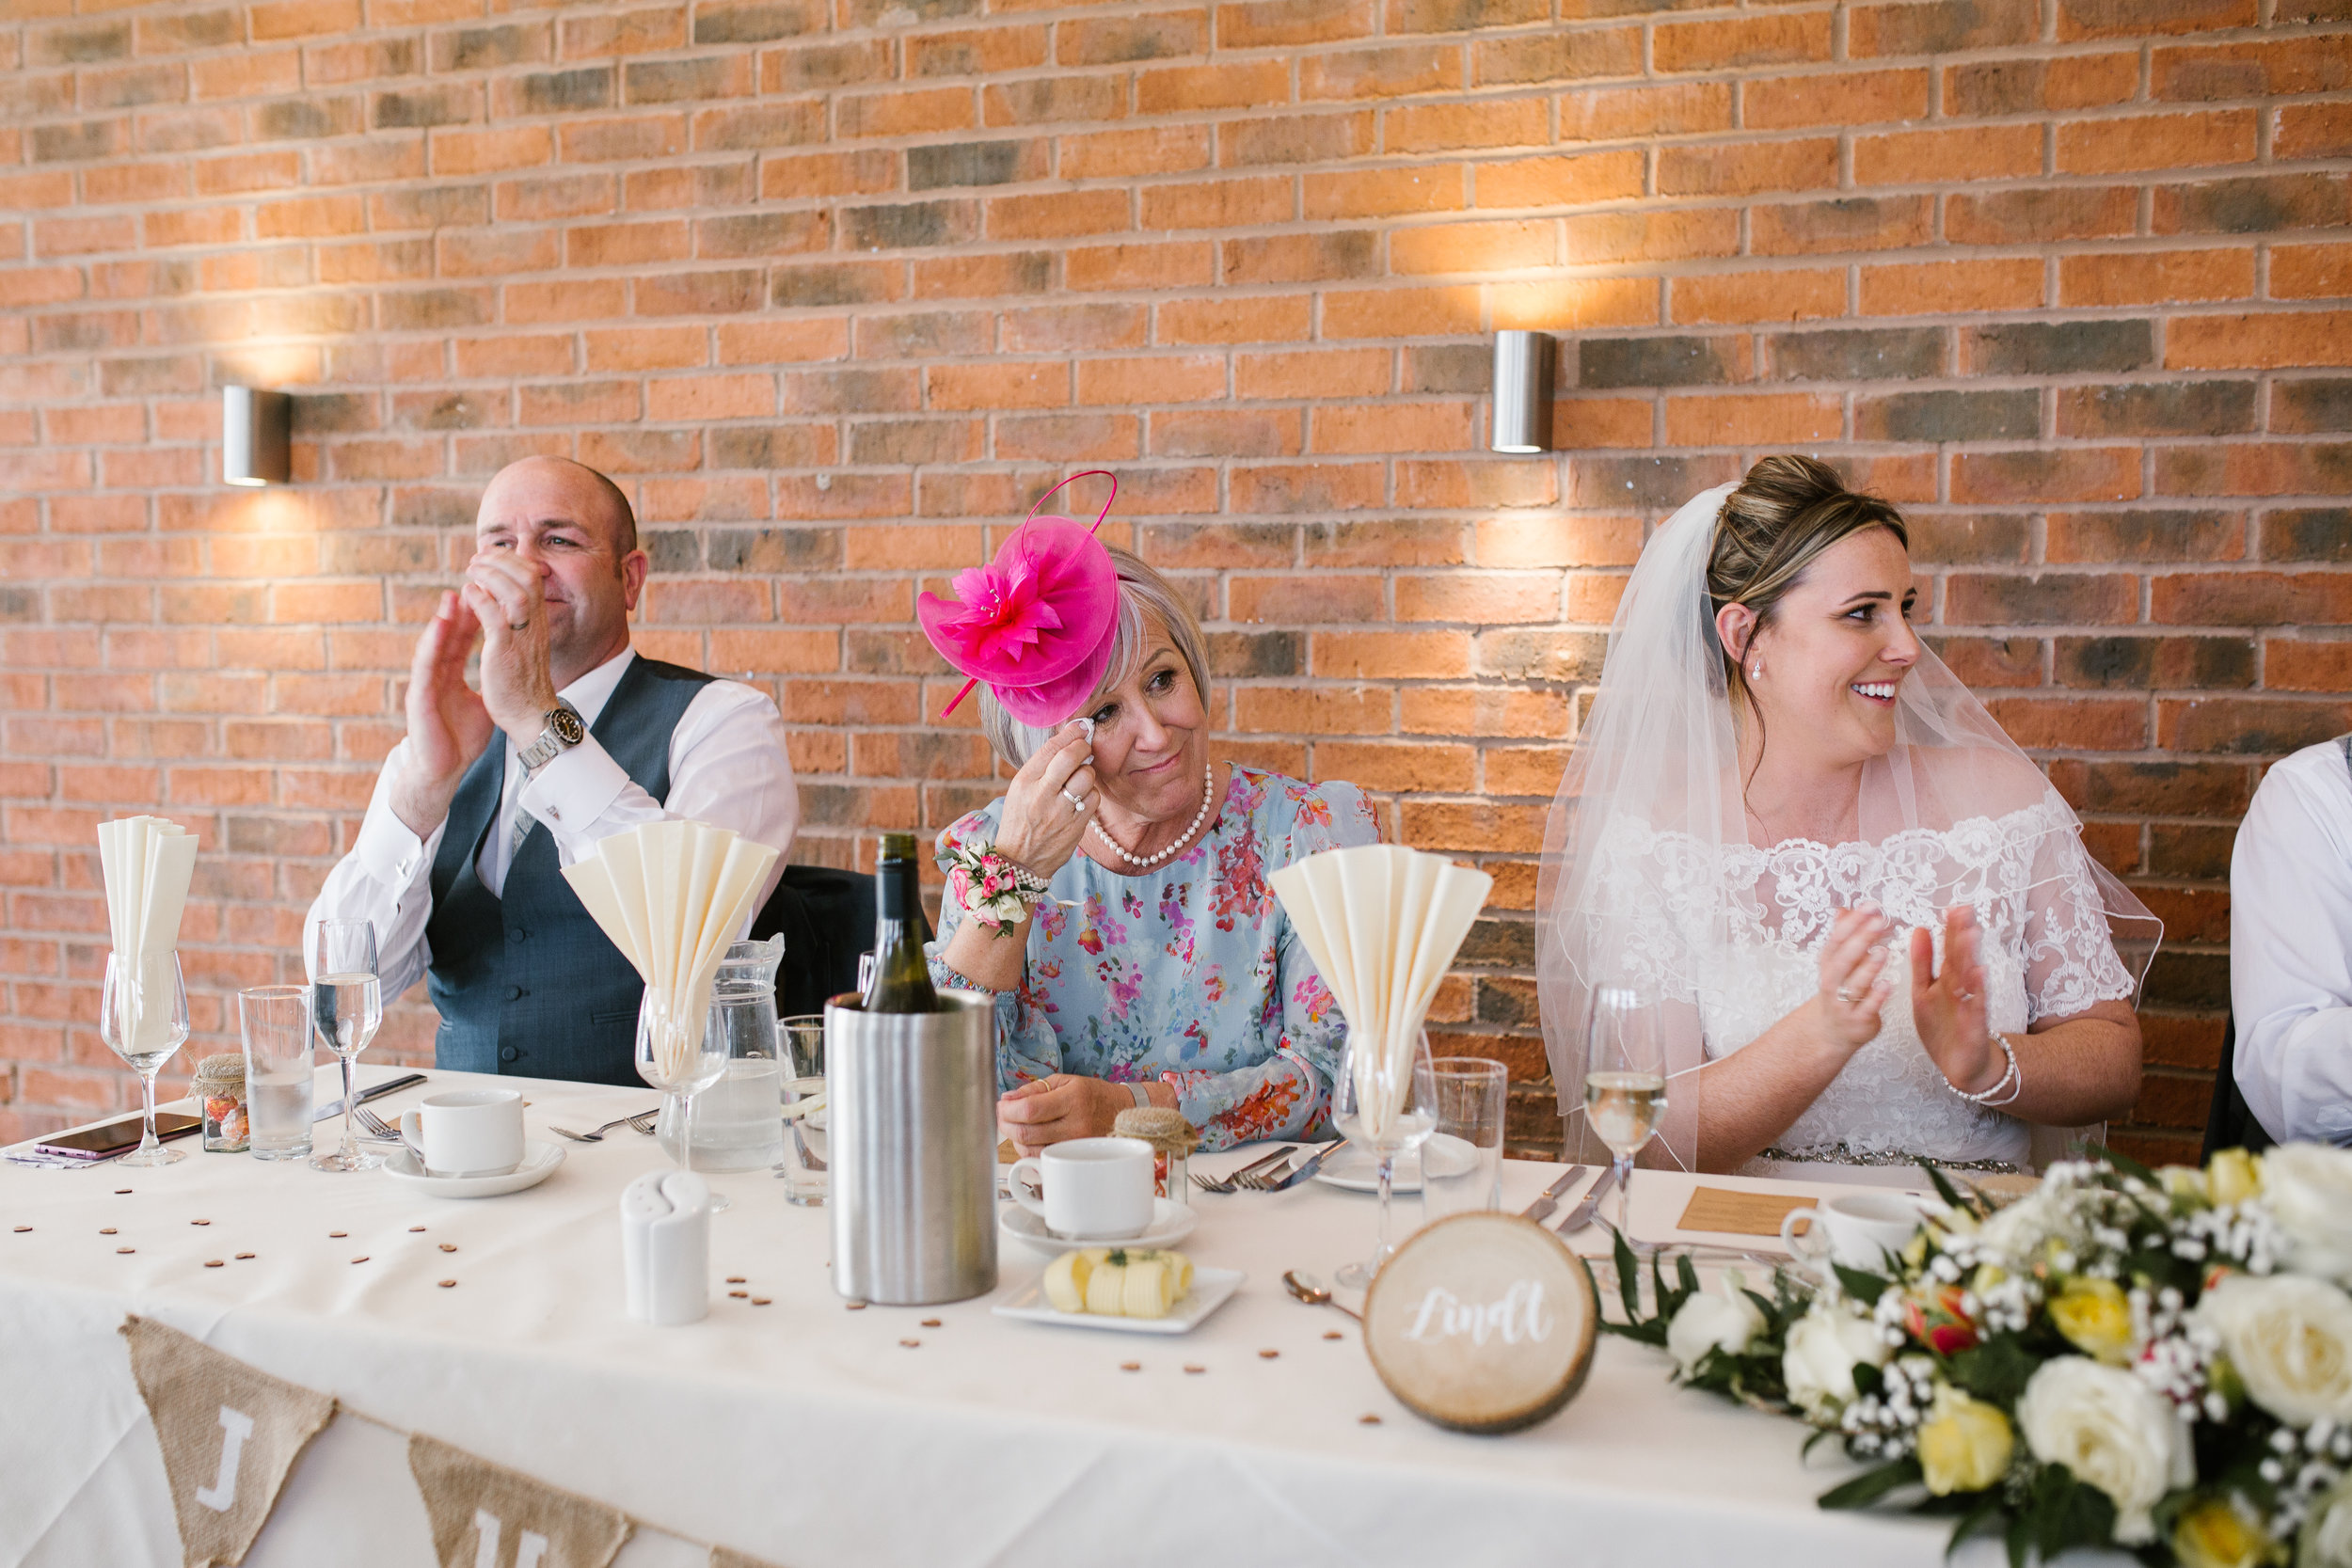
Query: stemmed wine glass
point(143, 1018)
point(1402, 1107)
point(679, 1053)
point(1625, 1082)
point(346, 1009)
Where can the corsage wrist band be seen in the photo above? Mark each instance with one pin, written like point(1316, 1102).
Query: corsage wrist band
point(990, 888)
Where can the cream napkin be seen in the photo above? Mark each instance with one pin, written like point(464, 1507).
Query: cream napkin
point(148, 863)
point(1382, 924)
point(672, 896)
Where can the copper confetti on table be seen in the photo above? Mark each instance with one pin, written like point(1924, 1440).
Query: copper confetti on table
point(123, 1192)
point(931, 1323)
point(22, 1228)
point(760, 1301)
point(244, 1255)
point(1368, 1420)
point(911, 1343)
point(1190, 1368)
point(215, 1263)
point(415, 1229)
point(447, 1283)
point(199, 1221)
point(738, 1293)
point(1131, 1366)
point(126, 1249)
point(336, 1235)
point(1268, 1355)
point(449, 1246)
point(1333, 1334)
point(106, 1230)
point(361, 1258)
point(737, 1280)
point(855, 1306)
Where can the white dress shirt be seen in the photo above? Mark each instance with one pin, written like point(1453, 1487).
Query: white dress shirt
point(2291, 947)
point(728, 767)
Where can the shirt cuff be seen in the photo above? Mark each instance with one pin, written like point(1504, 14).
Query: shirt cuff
point(389, 853)
point(574, 789)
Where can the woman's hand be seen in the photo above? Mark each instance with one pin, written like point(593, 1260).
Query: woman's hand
point(1854, 984)
point(1051, 1110)
point(1949, 1007)
point(1039, 828)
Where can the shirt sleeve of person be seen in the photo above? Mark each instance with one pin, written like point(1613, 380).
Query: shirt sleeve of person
point(1026, 1048)
point(2291, 947)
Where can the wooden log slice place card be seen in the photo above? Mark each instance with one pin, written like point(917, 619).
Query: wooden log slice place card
point(1483, 1322)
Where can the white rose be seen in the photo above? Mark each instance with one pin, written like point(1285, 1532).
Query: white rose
point(2327, 1541)
point(2290, 1339)
point(2308, 1190)
point(1824, 1347)
point(2114, 1431)
point(1710, 1321)
point(2017, 1230)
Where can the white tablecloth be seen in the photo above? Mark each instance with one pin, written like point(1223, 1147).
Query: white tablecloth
point(805, 1432)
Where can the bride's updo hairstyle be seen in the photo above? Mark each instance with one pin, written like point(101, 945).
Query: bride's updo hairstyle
point(1784, 515)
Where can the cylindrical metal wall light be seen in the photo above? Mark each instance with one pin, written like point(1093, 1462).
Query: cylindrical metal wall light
point(1523, 362)
point(253, 435)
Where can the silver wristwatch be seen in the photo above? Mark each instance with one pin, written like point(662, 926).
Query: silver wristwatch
point(565, 731)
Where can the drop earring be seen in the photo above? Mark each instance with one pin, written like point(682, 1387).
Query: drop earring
point(1755, 671)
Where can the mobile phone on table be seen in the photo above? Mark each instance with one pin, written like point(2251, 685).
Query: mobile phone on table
point(110, 1138)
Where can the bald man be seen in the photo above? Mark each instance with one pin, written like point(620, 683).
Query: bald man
point(572, 738)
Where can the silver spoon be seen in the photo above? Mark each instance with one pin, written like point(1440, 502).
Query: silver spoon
point(1303, 1286)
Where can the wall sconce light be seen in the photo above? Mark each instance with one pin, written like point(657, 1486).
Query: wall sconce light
point(253, 435)
point(1523, 362)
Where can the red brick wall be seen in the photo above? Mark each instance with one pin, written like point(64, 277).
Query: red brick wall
point(834, 286)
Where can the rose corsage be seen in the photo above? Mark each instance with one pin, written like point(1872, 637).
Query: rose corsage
point(990, 888)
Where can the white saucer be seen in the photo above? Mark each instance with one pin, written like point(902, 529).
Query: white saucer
point(1211, 1289)
point(1354, 1170)
point(1171, 1222)
point(539, 1163)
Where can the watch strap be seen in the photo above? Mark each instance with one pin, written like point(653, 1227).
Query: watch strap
point(1143, 1091)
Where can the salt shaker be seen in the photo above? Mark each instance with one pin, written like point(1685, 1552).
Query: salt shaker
point(665, 1248)
point(1172, 1138)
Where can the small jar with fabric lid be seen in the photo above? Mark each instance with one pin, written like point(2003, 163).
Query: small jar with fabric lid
point(220, 1084)
point(1172, 1140)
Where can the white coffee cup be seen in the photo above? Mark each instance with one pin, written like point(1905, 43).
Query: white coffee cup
point(1096, 1188)
point(1854, 1230)
point(466, 1133)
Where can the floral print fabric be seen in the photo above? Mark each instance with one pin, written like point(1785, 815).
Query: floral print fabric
point(1189, 973)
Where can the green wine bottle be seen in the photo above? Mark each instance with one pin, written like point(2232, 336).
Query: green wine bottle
point(902, 976)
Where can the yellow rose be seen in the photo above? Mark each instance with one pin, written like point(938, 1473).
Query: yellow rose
point(2213, 1534)
point(1964, 1443)
point(2095, 1319)
point(2184, 1181)
point(2234, 1176)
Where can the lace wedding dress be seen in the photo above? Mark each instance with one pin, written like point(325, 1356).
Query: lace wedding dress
point(1765, 913)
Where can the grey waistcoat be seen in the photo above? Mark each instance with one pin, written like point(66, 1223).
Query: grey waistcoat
point(527, 983)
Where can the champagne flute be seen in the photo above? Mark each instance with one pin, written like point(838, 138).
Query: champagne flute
point(346, 1009)
point(1389, 1108)
point(1625, 1082)
point(143, 1018)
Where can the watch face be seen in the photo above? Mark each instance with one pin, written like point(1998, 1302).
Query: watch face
point(567, 727)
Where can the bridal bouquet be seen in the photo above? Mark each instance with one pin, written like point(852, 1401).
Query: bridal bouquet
point(2155, 1360)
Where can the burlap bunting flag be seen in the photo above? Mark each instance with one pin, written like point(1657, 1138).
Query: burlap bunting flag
point(485, 1515)
point(230, 1435)
point(727, 1557)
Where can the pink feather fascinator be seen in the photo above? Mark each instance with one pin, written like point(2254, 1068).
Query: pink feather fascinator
point(1037, 623)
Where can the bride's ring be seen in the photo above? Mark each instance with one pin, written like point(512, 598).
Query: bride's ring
point(1966, 995)
point(1846, 996)
point(518, 625)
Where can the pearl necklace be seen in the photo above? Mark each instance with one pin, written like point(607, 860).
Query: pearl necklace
point(1208, 797)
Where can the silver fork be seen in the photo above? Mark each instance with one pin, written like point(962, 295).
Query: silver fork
point(596, 1135)
point(1227, 1182)
point(377, 1126)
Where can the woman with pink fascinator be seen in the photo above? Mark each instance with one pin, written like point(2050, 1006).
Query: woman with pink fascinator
point(1114, 898)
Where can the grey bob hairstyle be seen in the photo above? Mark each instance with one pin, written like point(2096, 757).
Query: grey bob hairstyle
point(1142, 594)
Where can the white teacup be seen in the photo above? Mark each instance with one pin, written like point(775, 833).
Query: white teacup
point(1096, 1188)
point(1854, 1230)
point(466, 1133)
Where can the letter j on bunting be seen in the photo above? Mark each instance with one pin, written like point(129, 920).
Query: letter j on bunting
point(230, 1434)
point(1038, 621)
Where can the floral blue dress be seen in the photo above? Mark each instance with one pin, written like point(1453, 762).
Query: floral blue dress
point(1189, 973)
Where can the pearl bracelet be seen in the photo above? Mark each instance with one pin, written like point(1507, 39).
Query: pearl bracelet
point(2010, 1080)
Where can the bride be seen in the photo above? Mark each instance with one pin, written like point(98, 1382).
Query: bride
point(1862, 922)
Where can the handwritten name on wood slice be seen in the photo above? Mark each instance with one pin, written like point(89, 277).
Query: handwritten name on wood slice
point(1483, 1322)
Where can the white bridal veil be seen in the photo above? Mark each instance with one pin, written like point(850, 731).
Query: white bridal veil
point(1649, 880)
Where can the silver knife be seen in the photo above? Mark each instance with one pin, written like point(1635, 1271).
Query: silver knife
point(1549, 1198)
point(1581, 1215)
point(392, 1086)
point(1312, 1164)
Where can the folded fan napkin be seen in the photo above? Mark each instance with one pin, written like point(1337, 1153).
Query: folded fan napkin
point(148, 863)
point(672, 896)
point(1382, 924)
